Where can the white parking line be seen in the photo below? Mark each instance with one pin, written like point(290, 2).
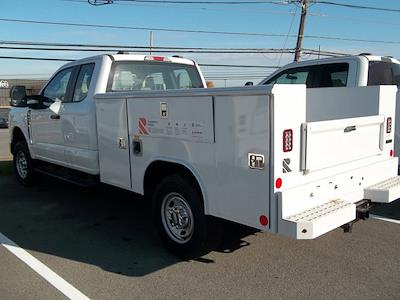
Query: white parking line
point(384, 219)
point(55, 280)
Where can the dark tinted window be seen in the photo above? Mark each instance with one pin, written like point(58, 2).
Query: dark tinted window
point(383, 73)
point(333, 75)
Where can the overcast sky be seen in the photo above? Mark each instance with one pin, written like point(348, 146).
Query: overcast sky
point(325, 21)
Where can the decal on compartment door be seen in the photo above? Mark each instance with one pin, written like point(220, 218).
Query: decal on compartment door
point(285, 165)
point(142, 125)
point(192, 130)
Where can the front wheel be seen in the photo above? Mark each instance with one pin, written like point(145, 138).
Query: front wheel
point(179, 215)
point(23, 164)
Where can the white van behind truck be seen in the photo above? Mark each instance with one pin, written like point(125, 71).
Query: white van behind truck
point(246, 154)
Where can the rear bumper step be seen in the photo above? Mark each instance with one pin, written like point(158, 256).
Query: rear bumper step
point(385, 191)
point(318, 220)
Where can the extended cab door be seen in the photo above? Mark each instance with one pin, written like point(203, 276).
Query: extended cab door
point(46, 133)
point(79, 122)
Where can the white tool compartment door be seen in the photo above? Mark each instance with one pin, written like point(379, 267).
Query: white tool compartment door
point(330, 143)
point(112, 129)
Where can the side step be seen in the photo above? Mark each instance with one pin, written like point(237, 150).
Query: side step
point(385, 191)
point(68, 175)
point(318, 220)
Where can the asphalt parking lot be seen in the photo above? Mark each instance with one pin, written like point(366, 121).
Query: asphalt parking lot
point(102, 242)
point(4, 146)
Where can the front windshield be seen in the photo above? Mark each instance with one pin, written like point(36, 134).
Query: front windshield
point(139, 76)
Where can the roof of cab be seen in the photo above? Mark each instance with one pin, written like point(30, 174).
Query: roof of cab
point(321, 61)
point(129, 57)
point(141, 57)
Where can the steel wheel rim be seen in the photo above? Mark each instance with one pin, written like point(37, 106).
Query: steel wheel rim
point(22, 165)
point(177, 218)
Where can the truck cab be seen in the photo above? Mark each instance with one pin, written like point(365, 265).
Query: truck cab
point(341, 71)
point(59, 125)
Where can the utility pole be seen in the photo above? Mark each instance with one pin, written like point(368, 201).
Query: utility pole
point(151, 41)
point(297, 52)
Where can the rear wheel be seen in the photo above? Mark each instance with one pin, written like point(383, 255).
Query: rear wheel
point(23, 164)
point(179, 215)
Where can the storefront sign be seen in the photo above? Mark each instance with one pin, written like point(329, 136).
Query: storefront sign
point(4, 84)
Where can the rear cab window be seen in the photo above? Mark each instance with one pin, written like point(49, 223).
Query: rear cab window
point(141, 76)
point(383, 73)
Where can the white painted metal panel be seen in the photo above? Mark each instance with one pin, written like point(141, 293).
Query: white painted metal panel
point(46, 133)
point(113, 139)
point(330, 143)
point(183, 135)
point(242, 126)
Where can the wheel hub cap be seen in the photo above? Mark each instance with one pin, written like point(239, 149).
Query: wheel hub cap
point(22, 164)
point(177, 218)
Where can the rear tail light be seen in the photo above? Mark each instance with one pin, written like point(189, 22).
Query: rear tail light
point(287, 140)
point(389, 125)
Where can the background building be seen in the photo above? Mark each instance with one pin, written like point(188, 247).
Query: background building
point(32, 87)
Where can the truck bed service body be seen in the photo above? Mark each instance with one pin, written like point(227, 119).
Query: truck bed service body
point(244, 154)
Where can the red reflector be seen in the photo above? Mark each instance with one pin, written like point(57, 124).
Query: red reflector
point(278, 183)
point(287, 140)
point(389, 125)
point(263, 220)
point(391, 153)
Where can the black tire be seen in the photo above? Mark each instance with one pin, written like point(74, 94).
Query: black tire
point(23, 164)
point(174, 192)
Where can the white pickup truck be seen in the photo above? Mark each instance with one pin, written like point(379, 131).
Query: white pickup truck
point(343, 71)
point(246, 154)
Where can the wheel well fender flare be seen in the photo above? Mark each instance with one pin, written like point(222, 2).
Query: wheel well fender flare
point(161, 167)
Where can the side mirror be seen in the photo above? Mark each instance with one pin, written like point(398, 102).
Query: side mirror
point(38, 101)
point(18, 96)
point(249, 83)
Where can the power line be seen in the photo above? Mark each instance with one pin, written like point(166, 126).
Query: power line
point(208, 8)
point(36, 58)
point(200, 31)
point(205, 65)
point(250, 51)
point(105, 2)
point(238, 66)
point(357, 6)
point(119, 47)
point(287, 2)
point(305, 51)
point(287, 36)
point(140, 28)
point(180, 50)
